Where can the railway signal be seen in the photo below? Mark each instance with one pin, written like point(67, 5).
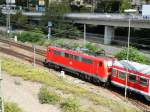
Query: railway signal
point(49, 29)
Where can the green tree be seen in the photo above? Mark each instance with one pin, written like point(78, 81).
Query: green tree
point(19, 20)
point(55, 13)
point(2, 19)
point(2, 1)
point(146, 1)
point(134, 55)
point(125, 4)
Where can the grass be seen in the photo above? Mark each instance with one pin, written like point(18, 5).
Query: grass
point(48, 97)
point(71, 105)
point(12, 107)
point(27, 72)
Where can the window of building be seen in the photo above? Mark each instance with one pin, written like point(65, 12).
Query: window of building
point(114, 72)
point(88, 61)
point(132, 78)
point(143, 81)
point(122, 75)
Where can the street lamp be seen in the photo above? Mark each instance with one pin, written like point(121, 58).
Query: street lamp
point(129, 11)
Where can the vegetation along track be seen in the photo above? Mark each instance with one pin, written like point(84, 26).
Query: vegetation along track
point(139, 102)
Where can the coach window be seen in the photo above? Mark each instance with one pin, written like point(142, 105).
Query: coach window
point(122, 75)
point(132, 78)
point(114, 72)
point(143, 81)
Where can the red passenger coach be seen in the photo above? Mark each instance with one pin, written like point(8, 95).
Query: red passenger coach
point(137, 76)
point(80, 63)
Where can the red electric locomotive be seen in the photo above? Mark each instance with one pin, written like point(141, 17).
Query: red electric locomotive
point(80, 63)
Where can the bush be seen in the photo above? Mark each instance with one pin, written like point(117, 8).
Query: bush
point(45, 96)
point(91, 47)
point(134, 55)
point(37, 30)
point(71, 105)
point(12, 107)
point(31, 37)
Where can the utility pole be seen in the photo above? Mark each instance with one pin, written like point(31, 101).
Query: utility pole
point(8, 8)
point(128, 51)
point(84, 35)
point(28, 4)
point(1, 96)
point(34, 55)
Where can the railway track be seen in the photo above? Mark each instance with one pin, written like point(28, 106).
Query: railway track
point(21, 56)
point(134, 100)
point(23, 46)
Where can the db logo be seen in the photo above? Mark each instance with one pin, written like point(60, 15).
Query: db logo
point(70, 63)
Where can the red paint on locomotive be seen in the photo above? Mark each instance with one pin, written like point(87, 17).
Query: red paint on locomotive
point(95, 66)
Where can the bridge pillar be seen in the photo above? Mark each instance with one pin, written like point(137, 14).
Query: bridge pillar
point(109, 34)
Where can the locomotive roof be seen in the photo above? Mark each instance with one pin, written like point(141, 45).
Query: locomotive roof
point(100, 58)
point(142, 69)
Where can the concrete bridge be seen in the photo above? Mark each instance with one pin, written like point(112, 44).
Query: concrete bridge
point(32, 15)
point(110, 21)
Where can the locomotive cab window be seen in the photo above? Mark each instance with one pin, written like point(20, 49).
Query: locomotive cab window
point(88, 61)
point(66, 55)
point(143, 81)
point(132, 78)
point(122, 75)
point(71, 56)
point(78, 58)
point(58, 53)
point(114, 72)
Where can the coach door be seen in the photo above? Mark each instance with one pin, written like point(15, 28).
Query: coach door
point(49, 54)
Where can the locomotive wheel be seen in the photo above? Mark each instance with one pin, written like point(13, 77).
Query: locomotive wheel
point(147, 98)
